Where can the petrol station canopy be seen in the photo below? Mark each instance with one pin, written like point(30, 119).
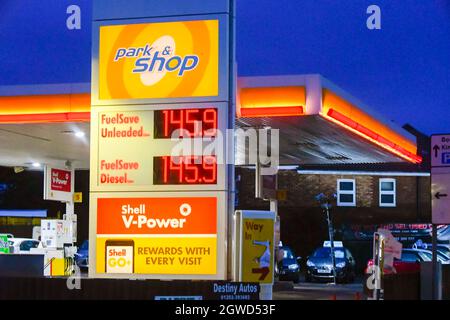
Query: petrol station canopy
point(319, 123)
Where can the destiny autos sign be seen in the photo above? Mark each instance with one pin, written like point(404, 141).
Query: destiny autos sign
point(159, 60)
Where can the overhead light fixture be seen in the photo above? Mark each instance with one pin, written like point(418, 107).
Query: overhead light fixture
point(79, 134)
point(36, 165)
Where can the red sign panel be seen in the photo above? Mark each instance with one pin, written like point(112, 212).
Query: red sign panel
point(60, 180)
point(157, 215)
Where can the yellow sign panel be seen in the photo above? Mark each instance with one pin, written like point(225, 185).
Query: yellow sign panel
point(78, 197)
point(159, 60)
point(257, 250)
point(159, 255)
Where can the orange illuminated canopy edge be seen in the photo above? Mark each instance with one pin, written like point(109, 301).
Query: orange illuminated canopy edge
point(342, 112)
point(46, 117)
point(372, 136)
point(45, 108)
point(271, 101)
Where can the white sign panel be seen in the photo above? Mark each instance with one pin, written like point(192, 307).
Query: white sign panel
point(392, 248)
point(440, 200)
point(135, 148)
point(440, 150)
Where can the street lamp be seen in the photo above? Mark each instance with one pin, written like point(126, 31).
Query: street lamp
point(326, 206)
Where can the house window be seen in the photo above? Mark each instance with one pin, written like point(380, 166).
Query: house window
point(346, 193)
point(387, 193)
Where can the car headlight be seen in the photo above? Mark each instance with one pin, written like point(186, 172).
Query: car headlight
point(310, 263)
point(340, 264)
point(293, 267)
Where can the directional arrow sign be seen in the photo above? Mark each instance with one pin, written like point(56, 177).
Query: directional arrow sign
point(257, 234)
point(263, 271)
point(440, 202)
point(438, 195)
point(440, 150)
point(436, 150)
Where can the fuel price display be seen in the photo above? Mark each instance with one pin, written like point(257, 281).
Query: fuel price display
point(197, 123)
point(184, 170)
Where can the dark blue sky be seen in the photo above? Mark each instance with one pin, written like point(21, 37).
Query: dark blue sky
point(402, 70)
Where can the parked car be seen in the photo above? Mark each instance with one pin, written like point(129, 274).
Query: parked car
point(442, 257)
point(289, 266)
point(441, 247)
point(443, 233)
point(320, 265)
point(410, 261)
point(82, 255)
point(23, 245)
point(428, 255)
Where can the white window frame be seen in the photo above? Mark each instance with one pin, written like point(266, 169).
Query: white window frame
point(384, 192)
point(352, 192)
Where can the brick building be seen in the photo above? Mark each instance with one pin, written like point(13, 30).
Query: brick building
point(367, 196)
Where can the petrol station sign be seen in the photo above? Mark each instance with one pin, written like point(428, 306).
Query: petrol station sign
point(176, 59)
point(159, 60)
point(160, 95)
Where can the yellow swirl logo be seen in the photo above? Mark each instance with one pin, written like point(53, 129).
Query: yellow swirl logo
point(159, 60)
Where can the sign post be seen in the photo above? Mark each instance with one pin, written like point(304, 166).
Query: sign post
point(378, 266)
point(162, 95)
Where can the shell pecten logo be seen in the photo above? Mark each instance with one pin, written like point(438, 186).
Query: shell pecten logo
point(159, 60)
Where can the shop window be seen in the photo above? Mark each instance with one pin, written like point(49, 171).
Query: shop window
point(387, 193)
point(346, 193)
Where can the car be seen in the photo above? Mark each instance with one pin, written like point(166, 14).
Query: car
point(289, 267)
point(82, 255)
point(443, 233)
point(410, 261)
point(442, 257)
point(23, 245)
point(320, 267)
point(442, 248)
point(427, 255)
